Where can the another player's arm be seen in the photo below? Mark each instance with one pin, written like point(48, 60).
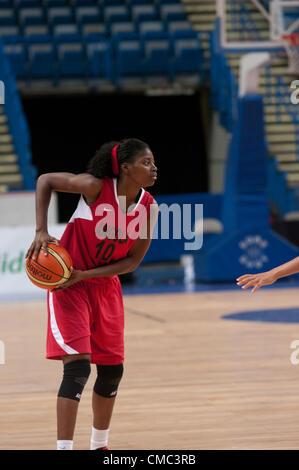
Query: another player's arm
point(124, 265)
point(62, 182)
point(269, 277)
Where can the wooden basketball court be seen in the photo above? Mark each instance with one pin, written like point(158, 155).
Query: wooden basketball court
point(192, 380)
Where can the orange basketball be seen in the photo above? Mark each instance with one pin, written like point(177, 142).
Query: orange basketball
point(52, 270)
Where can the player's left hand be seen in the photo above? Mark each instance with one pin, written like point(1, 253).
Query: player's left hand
point(75, 276)
point(256, 280)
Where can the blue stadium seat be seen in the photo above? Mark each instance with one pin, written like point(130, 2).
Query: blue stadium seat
point(36, 30)
point(125, 36)
point(129, 58)
point(140, 2)
point(185, 34)
point(116, 13)
point(149, 26)
point(17, 59)
point(71, 60)
point(173, 26)
point(110, 3)
point(187, 56)
point(123, 27)
point(30, 16)
point(6, 3)
point(166, 2)
point(172, 12)
point(27, 3)
point(7, 17)
point(144, 13)
point(60, 15)
point(99, 63)
point(42, 61)
point(90, 30)
point(157, 52)
point(88, 14)
point(66, 33)
point(10, 34)
point(55, 3)
point(82, 3)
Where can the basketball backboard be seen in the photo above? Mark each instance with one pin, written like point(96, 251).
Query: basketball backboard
point(263, 23)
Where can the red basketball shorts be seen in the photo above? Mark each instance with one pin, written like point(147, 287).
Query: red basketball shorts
point(87, 317)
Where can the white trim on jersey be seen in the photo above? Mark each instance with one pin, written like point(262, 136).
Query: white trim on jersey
point(55, 330)
point(116, 196)
point(83, 211)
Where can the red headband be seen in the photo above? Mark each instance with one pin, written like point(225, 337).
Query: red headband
point(115, 167)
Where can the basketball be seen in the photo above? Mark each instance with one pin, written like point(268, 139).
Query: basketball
point(52, 270)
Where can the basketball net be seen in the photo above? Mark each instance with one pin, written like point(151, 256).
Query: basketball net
point(291, 43)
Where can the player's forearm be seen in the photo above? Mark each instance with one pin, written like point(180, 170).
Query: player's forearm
point(291, 267)
point(123, 266)
point(42, 201)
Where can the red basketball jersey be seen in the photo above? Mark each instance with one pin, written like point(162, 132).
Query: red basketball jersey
point(102, 233)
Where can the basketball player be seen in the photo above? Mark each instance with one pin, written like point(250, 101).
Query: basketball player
point(269, 277)
point(86, 314)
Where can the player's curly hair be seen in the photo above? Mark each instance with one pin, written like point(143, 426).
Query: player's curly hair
point(100, 164)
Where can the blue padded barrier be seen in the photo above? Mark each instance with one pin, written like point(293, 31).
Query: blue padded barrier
point(286, 199)
point(247, 244)
point(171, 249)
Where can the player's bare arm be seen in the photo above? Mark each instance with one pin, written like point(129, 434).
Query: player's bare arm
point(125, 265)
point(84, 183)
point(269, 277)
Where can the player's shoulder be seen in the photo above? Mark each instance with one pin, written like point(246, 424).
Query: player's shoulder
point(91, 181)
point(88, 177)
point(91, 185)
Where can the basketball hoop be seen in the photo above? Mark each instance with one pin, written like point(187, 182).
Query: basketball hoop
point(291, 42)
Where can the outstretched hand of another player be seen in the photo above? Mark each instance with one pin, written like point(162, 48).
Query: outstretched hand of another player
point(76, 276)
point(256, 280)
point(40, 242)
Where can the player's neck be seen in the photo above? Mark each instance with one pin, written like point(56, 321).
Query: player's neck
point(129, 189)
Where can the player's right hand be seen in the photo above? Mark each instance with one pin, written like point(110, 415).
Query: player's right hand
point(40, 243)
point(256, 280)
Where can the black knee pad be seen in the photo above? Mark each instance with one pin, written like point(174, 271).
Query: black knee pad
point(75, 376)
point(108, 380)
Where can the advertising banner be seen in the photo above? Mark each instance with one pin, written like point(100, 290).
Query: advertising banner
point(15, 242)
